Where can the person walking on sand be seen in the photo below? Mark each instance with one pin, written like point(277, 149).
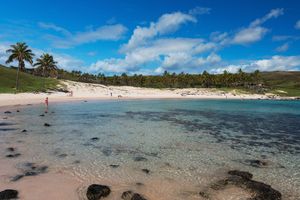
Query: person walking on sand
point(46, 104)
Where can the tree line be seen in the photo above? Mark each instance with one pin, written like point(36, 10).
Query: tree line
point(46, 66)
point(169, 80)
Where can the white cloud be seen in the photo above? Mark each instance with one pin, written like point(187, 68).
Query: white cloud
point(54, 27)
point(283, 47)
point(255, 32)
point(172, 53)
point(249, 35)
point(167, 23)
point(297, 25)
point(279, 63)
point(3, 55)
point(107, 32)
point(275, 63)
point(199, 11)
point(274, 13)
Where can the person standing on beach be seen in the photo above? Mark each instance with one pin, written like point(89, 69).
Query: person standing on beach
point(46, 104)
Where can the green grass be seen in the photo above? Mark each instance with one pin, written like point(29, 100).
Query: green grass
point(27, 82)
point(282, 83)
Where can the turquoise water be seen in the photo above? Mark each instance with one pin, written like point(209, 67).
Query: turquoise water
point(189, 143)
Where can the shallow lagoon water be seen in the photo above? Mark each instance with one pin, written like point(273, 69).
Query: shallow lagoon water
point(186, 144)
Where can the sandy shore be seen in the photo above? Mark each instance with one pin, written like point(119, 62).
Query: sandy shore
point(86, 91)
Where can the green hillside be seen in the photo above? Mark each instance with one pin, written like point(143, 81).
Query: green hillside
point(27, 82)
point(282, 83)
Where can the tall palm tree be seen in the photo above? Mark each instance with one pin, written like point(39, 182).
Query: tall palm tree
point(21, 53)
point(46, 65)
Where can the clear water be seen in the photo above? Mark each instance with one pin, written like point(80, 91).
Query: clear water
point(187, 144)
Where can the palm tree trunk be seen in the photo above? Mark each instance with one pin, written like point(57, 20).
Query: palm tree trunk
point(44, 76)
point(17, 79)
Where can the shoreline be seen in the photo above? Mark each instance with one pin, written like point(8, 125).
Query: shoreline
point(86, 91)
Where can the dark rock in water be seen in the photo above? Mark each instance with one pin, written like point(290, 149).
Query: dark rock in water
point(139, 159)
point(95, 139)
point(129, 195)
point(204, 195)
point(63, 155)
point(46, 124)
point(139, 184)
point(84, 101)
point(11, 149)
point(114, 166)
point(107, 152)
point(245, 175)
point(30, 169)
point(147, 171)
point(17, 177)
point(8, 194)
point(96, 192)
point(31, 173)
point(7, 112)
point(24, 131)
point(137, 196)
point(42, 115)
point(261, 191)
point(257, 163)
point(76, 162)
point(18, 111)
point(13, 155)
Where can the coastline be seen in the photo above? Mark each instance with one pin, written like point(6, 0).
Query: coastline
point(86, 91)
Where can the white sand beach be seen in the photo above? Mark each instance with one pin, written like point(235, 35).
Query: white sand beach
point(87, 91)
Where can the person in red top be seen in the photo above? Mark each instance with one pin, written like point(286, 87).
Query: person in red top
point(46, 104)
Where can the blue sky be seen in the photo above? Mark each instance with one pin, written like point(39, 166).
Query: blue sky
point(149, 37)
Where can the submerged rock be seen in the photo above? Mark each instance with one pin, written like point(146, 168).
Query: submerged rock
point(11, 149)
point(114, 166)
point(257, 163)
point(30, 169)
point(94, 139)
point(139, 159)
point(63, 155)
point(242, 179)
point(204, 195)
point(18, 110)
point(24, 131)
point(139, 184)
point(42, 115)
point(17, 177)
point(129, 195)
point(13, 155)
point(96, 192)
point(76, 162)
point(8, 194)
point(147, 171)
point(46, 124)
point(7, 112)
point(245, 175)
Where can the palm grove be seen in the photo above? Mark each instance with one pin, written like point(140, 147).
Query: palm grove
point(45, 66)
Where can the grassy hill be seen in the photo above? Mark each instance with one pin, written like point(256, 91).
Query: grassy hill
point(27, 82)
point(282, 83)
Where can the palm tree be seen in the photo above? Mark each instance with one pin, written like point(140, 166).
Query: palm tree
point(21, 53)
point(46, 65)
